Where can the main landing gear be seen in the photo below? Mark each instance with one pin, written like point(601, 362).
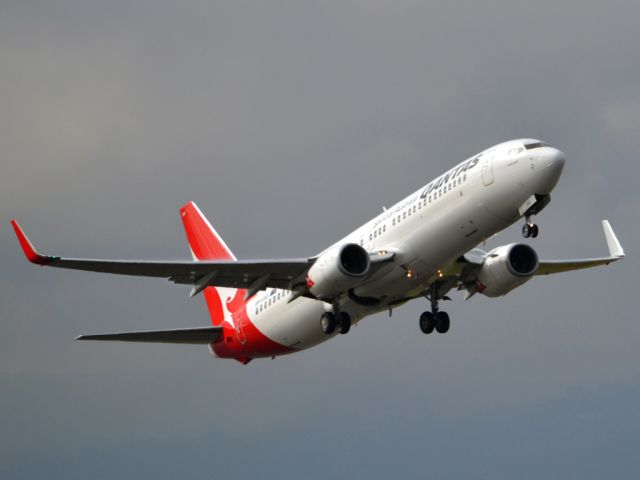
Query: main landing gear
point(330, 321)
point(434, 320)
point(529, 229)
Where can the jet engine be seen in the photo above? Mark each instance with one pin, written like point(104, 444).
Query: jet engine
point(505, 268)
point(338, 270)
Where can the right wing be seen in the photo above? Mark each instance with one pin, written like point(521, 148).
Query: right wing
point(193, 336)
point(615, 253)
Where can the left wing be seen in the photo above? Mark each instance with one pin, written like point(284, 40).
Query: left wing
point(247, 274)
point(464, 272)
point(476, 257)
point(615, 253)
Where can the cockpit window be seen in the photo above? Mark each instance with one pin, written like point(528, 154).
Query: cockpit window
point(531, 146)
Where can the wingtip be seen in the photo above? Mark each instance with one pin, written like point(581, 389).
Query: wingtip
point(27, 247)
point(615, 249)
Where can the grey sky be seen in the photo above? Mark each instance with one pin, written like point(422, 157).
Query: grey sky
point(290, 123)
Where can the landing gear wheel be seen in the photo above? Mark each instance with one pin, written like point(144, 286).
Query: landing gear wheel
point(530, 230)
point(328, 323)
point(344, 323)
point(442, 322)
point(427, 323)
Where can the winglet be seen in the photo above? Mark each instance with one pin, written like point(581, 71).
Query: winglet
point(615, 249)
point(27, 247)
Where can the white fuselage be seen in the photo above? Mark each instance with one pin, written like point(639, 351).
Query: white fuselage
point(427, 231)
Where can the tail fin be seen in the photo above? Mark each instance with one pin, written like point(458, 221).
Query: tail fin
point(206, 244)
point(204, 241)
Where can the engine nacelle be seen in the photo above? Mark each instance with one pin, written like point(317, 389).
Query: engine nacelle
point(506, 268)
point(338, 270)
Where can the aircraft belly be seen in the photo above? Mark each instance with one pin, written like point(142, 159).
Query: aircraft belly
point(426, 250)
point(295, 325)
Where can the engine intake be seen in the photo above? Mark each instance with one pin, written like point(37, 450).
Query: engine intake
point(523, 260)
point(338, 270)
point(506, 268)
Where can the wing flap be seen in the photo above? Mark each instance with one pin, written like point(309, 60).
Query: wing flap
point(193, 336)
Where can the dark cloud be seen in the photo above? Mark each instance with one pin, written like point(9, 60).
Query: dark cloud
point(290, 123)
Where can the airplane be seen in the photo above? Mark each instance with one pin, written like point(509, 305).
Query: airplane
point(421, 248)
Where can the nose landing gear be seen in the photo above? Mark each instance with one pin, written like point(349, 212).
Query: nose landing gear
point(529, 229)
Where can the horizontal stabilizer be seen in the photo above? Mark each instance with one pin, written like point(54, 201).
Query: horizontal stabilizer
point(194, 336)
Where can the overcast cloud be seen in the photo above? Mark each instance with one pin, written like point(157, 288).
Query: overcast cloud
point(290, 123)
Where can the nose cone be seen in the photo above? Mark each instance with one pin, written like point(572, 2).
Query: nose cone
point(549, 165)
point(555, 160)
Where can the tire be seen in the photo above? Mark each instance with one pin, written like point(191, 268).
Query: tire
point(526, 230)
point(534, 231)
point(328, 323)
point(427, 323)
point(344, 323)
point(443, 322)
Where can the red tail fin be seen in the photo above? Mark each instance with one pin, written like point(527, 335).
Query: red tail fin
point(206, 244)
point(204, 241)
